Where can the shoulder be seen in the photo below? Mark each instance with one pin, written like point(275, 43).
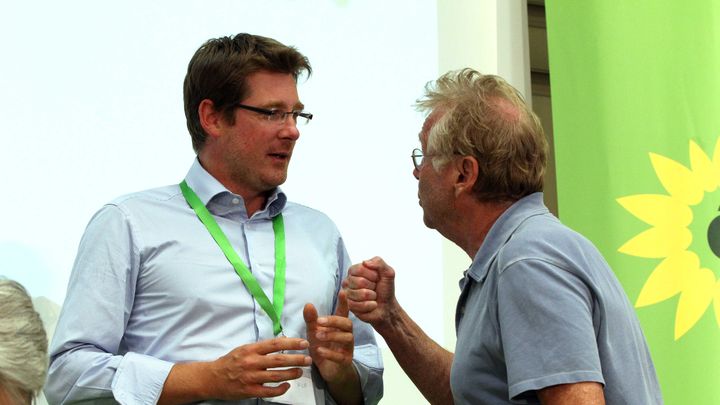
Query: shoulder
point(301, 213)
point(125, 209)
point(150, 196)
point(544, 238)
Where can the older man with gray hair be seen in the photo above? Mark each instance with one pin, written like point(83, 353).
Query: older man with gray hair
point(541, 317)
point(23, 346)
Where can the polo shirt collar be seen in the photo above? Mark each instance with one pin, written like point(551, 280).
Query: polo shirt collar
point(502, 230)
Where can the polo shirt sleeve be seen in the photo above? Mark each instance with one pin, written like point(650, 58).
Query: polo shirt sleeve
point(545, 316)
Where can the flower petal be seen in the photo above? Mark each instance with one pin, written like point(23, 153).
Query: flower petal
point(658, 210)
point(668, 278)
point(679, 181)
point(703, 168)
point(658, 242)
point(696, 297)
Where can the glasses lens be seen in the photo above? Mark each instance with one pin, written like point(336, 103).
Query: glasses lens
point(276, 116)
point(417, 157)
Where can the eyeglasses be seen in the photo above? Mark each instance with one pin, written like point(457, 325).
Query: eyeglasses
point(277, 116)
point(417, 157)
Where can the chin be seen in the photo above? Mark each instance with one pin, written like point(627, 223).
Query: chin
point(428, 223)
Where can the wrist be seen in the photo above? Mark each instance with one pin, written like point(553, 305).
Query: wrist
point(204, 380)
point(389, 322)
point(187, 382)
point(343, 375)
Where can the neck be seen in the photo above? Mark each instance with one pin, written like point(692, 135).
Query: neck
point(254, 200)
point(473, 224)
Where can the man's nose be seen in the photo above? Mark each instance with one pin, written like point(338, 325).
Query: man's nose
point(289, 129)
point(416, 173)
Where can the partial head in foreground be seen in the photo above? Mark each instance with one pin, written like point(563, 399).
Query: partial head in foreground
point(23, 346)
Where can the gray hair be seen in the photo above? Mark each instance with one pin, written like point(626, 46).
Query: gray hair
point(484, 117)
point(23, 344)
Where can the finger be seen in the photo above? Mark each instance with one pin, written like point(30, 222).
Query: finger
point(310, 315)
point(341, 323)
point(278, 375)
point(361, 270)
point(375, 263)
point(335, 356)
point(362, 307)
point(335, 336)
point(355, 283)
point(379, 265)
point(342, 305)
point(265, 392)
point(284, 360)
point(279, 344)
point(361, 295)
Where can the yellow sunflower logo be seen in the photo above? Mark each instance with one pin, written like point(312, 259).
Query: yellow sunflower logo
point(685, 234)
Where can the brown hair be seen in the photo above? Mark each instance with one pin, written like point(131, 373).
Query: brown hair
point(485, 117)
point(219, 69)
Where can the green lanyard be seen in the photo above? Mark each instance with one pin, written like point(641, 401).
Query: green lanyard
point(273, 310)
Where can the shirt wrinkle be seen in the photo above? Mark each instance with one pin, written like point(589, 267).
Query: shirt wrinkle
point(150, 288)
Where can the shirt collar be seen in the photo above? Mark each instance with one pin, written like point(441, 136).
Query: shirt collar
point(219, 200)
point(502, 230)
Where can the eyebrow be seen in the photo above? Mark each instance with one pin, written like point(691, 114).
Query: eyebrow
point(277, 104)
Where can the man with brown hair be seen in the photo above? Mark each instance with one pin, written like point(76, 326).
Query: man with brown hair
point(218, 288)
point(541, 317)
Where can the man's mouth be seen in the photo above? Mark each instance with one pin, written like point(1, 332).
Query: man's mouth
point(280, 155)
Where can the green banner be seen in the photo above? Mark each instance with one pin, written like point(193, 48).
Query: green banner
point(636, 116)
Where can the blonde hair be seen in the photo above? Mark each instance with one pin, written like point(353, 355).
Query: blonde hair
point(484, 117)
point(23, 344)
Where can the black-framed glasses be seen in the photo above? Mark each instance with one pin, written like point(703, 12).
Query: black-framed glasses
point(278, 116)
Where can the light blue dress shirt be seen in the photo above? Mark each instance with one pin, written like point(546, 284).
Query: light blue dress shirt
point(150, 288)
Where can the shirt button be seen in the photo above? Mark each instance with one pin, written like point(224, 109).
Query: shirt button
point(236, 201)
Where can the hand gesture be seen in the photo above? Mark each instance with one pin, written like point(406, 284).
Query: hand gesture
point(242, 372)
point(371, 291)
point(331, 341)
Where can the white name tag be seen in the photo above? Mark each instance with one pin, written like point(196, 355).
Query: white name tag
point(301, 390)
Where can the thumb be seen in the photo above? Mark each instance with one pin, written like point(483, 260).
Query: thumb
point(342, 304)
point(311, 315)
point(375, 263)
point(379, 265)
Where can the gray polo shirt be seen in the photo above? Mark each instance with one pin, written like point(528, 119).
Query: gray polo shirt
point(541, 307)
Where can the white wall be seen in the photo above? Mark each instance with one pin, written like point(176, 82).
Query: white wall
point(91, 108)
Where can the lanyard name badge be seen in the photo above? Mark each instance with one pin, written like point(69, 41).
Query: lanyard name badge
point(301, 390)
point(274, 310)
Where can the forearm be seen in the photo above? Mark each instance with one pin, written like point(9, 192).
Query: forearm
point(186, 383)
point(423, 360)
point(346, 390)
point(133, 377)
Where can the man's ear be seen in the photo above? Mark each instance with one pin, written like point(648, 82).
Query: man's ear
point(210, 119)
point(467, 174)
